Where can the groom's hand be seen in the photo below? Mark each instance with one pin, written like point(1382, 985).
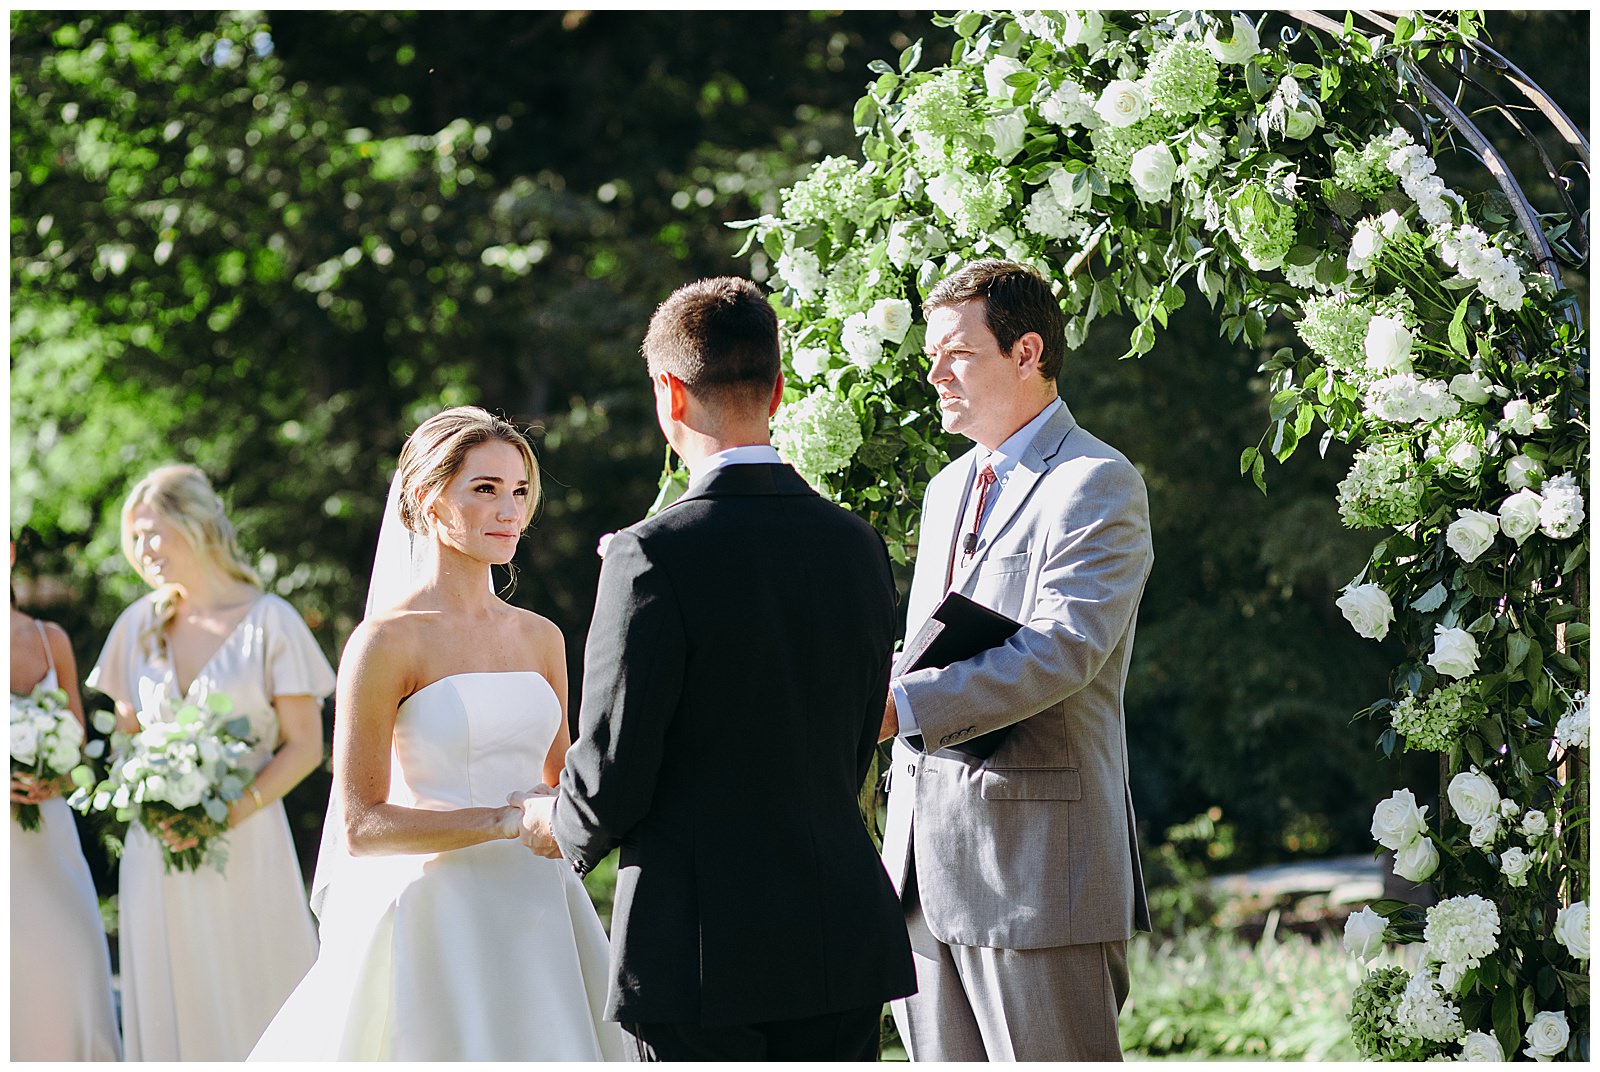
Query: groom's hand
point(536, 833)
point(891, 719)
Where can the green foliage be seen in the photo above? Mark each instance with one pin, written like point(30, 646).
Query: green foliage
point(1210, 996)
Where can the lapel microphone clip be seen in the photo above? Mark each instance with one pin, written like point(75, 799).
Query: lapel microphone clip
point(970, 545)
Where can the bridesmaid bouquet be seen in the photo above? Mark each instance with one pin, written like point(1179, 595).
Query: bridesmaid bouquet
point(178, 777)
point(46, 742)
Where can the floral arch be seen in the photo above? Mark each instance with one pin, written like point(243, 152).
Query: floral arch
point(1128, 154)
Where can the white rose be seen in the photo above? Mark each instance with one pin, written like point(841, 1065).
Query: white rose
point(1368, 609)
point(1387, 345)
point(1365, 245)
point(1514, 865)
point(809, 362)
point(185, 790)
point(63, 756)
point(1122, 103)
point(1509, 808)
point(1300, 122)
point(1472, 533)
point(1481, 1046)
point(1417, 861)
point(1152, 171)
point(24, 742)
point(1547, 1035)
point(902, 250)
point(1465, 456)
point(1074, 197)
point(1009, 132)
point(890, 318)
point(862, 344)
point(1535, 824)
point(1455, 653)
point(1470, 387)
point(1572, 929)
point(1363, 934)
point(995, 73)
point(1473, 796)
point(1519, 515)
point(1485, 832)
point(1523, 472)
point(1397, 822)
point(1244, 44)
point(1086, 28)
point(1521, 419)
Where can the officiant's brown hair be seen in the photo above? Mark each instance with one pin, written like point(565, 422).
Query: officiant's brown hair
point(718, 336)
point(1016, 300)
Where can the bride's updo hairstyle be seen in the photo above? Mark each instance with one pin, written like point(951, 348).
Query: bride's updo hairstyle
point(182, 497)
point(437, 450)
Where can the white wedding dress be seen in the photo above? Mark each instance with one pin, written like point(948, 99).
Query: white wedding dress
point(476, 954)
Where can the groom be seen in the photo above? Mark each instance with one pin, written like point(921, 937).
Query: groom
point(733, 688)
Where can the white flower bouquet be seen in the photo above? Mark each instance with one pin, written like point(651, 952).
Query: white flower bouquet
point(46, 743)
point(176, 779)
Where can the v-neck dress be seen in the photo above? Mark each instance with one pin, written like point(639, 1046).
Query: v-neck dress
point(61, 1002)
point(208, 956)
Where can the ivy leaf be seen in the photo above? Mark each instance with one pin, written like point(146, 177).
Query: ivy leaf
point(1432, 599)
point(1458, 327)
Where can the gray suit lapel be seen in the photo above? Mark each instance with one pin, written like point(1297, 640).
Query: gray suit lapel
point(1029, 470)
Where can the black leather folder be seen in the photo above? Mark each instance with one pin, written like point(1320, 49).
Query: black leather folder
point(959, 629)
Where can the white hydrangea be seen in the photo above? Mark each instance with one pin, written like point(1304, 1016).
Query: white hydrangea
point(1462, 930)
point(802, 271)
point(1572, 729)
point(1468, 250)
point(1407, 398)
point(818, 434)
point(1371, 235)
point(1561, 507)
point(1425, 1011)
point(1415, 169)
point(1049, 217)
point(1070, 105)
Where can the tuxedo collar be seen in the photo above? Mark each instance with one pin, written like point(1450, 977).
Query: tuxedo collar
point(741, 480)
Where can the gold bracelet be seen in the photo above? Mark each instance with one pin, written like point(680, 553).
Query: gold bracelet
point(256, 793)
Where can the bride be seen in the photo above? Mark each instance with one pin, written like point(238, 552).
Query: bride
point(443, 936)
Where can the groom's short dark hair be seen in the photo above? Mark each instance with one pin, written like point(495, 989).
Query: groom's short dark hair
point(1016, 300)
point(718, 336)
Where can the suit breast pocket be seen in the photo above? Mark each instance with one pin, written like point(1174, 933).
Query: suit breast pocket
point(1031, 783)
point(1002, 584)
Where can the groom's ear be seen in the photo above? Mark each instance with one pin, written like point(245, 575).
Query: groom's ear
point(677, 395)
point(777, 397)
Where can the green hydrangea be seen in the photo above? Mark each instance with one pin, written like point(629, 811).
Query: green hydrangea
point(1263, 225)
point(817, 435)
point(1182, 78)
point(1372, 1020)
point(938, 120)
point(835, 190)
point(1384, 487)
point(1433, 723)
point(1364, 171)
point(1335, 327)
point(1114, 146)
point(853, 285)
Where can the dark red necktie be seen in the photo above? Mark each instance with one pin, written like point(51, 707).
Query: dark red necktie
point(969, 542)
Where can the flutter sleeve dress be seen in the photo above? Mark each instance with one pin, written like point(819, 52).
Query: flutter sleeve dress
point(207, 956)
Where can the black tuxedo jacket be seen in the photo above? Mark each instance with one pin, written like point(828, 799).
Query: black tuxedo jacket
point(734, 681)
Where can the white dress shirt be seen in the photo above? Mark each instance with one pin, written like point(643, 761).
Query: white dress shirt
point(1003, 460)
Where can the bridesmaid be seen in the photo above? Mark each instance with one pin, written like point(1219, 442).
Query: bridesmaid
point(61, 1005)
point(207, 956)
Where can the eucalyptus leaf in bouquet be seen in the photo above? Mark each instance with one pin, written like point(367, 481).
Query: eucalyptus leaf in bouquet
point(178, 776)
point(46, 743)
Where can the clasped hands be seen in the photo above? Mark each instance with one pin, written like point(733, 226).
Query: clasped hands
point(531, 816)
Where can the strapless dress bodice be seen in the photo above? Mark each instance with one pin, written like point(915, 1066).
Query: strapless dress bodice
point(467, 740)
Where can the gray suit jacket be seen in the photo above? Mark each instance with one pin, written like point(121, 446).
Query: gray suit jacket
point(1033, 847)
